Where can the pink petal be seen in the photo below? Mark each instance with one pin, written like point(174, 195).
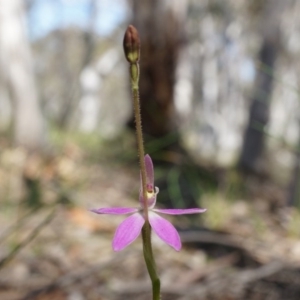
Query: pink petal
point(180, 211)
point(152, 191)
point(165, 230)
point(149, 170)
point(128, 231)
point(115, 210)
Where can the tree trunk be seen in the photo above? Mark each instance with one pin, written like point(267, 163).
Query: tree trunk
point(294, 188)
point(69, 102)
point(16, 62)
point(254, 137)
point(160, 28)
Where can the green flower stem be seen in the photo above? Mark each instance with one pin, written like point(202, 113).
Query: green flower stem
point(131, 46)
point(150, 262)
point(146, 230)
point(134, 73)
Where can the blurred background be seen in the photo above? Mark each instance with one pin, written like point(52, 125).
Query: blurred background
point(219, 92)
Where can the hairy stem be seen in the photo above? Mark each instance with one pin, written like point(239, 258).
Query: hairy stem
point(140, 142)
point(150, 262)
point(132, 48)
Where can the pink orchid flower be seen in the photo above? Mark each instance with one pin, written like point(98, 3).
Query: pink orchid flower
point(130, 228)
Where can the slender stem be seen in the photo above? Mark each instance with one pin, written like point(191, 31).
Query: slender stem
point(146, 231)
point(150, 262)
point(132, 48)
point(134, 70)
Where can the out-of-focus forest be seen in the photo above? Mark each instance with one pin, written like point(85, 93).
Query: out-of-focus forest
point(220, 108)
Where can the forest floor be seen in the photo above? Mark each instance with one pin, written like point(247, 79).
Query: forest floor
point(52, 247)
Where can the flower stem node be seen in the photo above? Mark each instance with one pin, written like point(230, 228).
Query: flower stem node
point(131, 44)
point(131, 227)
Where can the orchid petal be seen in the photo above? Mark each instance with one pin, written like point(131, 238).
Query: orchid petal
point(128, 231)
point(152, 190)
point(180, 211)
point(149, 170)
point(115, 210)
point(165, 230)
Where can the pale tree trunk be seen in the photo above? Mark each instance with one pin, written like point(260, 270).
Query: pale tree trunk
point(66, 71)
point(16, 64)
point(294, 188)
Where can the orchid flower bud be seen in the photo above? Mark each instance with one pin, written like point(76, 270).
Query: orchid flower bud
point(131, 45)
